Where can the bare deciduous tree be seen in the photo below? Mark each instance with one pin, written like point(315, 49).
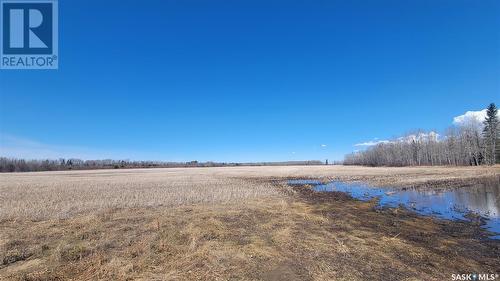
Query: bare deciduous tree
point(21, 165)
point(463, 145)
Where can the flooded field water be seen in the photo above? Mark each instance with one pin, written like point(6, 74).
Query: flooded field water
point(455, 204)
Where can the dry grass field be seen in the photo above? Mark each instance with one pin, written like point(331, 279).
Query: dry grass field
point(238, 223)
point(49, 195)
point(64, 194)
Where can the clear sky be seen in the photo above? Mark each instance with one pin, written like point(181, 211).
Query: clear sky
point(250, 80)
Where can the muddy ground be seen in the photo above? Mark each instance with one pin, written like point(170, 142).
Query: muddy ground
point(301, 235)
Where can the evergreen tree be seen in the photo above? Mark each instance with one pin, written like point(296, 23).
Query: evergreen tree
point(491, 135)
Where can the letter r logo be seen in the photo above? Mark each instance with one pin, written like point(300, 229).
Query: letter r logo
point(27, 28)
point(35, 20)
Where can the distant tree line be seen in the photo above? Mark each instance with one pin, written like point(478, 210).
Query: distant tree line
point(22, 165)
point(470, 144)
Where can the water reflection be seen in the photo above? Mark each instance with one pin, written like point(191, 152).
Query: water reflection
point(482, 199)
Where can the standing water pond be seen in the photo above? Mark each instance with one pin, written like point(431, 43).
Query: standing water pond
point(455, 204)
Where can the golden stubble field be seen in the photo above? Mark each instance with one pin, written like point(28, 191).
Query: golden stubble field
point(235, 223)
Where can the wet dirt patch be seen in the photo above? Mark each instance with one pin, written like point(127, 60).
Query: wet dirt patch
point(478, 204)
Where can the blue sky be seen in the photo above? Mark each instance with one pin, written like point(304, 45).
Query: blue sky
point(250, 80)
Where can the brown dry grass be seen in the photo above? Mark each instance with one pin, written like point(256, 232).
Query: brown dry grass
point(228, 224)
point(45, 195)
point(63, 194)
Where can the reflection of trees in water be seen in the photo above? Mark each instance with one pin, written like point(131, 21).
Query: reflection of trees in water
point(435, 201)
point(484, 198)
